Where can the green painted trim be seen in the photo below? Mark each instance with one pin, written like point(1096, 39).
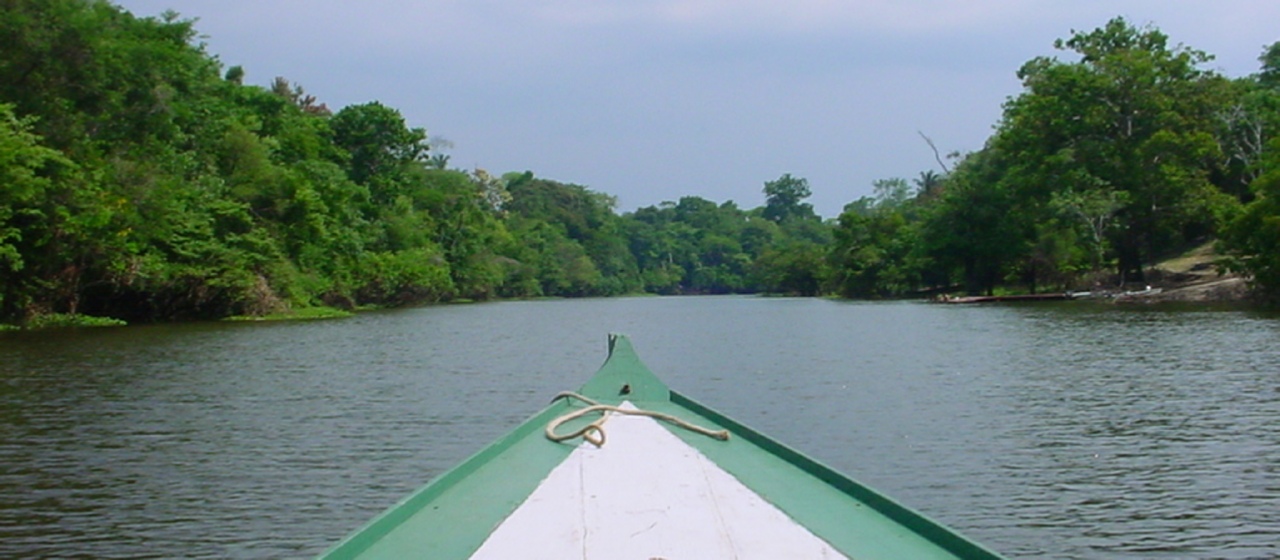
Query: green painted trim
point(458, 536)
point(624, 377)
point(913, 521)
point(454, 514)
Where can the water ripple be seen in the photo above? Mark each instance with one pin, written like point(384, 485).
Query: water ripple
point(1043, 431)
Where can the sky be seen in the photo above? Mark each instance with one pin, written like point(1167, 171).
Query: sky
point(653, 100)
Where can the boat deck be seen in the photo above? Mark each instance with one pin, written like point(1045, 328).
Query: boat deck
point(653, 490)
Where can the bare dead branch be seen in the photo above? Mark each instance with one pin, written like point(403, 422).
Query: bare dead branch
point(936, 155)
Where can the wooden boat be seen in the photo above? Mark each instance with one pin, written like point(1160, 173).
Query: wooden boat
point(1007, 298)
point(627, 468)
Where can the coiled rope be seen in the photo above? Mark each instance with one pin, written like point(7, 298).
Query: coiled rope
point(594, 432)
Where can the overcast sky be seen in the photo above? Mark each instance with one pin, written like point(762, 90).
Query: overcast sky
point(651, 100)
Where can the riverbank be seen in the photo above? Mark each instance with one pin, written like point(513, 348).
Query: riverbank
point(1191, 278)
point(66, 320)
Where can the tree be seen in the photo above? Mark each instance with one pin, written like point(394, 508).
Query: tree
point(1095, 210)
point(784, 199)
point(24, 172)
point(1133, 115)
point(291, 92)
point(1269, 76)
point(973, 231)
point(1247, 123)
point(380, 144)
point(590, 229)
point(928, 183)
point(891, 193)
point(792, 267)
point(872, 254)
point(1252, 241)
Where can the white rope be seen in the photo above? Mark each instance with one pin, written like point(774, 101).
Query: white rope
point(594, 432)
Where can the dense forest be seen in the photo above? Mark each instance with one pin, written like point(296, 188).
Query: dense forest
point(143, 180)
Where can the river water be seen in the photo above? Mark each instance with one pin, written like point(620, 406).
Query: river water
point(1058, 430)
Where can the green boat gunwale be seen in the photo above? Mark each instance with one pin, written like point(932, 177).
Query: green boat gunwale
point(623, 368)
point(387, 521)
point(917, 522)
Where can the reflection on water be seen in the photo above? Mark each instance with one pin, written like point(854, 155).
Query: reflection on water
point(1044, 431)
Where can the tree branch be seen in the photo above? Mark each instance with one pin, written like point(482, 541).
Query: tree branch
point(936, 155)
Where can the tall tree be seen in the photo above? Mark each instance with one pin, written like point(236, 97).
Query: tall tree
point(1132, 115)
point(1269, 76)
point(928, 183)
point(784, 199)
point(380, 144)
point(1252, 240)
point(974, 231)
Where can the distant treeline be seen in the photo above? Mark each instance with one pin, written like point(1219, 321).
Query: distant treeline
point(143, 180)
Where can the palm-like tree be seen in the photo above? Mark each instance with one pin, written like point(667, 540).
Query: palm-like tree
point(929, 183)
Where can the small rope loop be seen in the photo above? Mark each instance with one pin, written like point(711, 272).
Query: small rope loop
point(594, 432)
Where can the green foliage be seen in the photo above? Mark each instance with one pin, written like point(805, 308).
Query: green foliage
point(405, 276)
point(1269, 76)
point(974, 233)
point(794, 267)
point(63, 320)
point(381, 149)
point(142, 180)
point(872, 253)
point(784, 199)
point(1126, 153)
point(1092, 211)
point(1252, 240)
point(1133, 120)
point(23, 161)
point(304, 314)
point(572, 239)
point(44, 209)
point(697, 246)
point(196, 195)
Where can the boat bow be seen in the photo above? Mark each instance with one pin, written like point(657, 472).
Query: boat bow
point(662, 484)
